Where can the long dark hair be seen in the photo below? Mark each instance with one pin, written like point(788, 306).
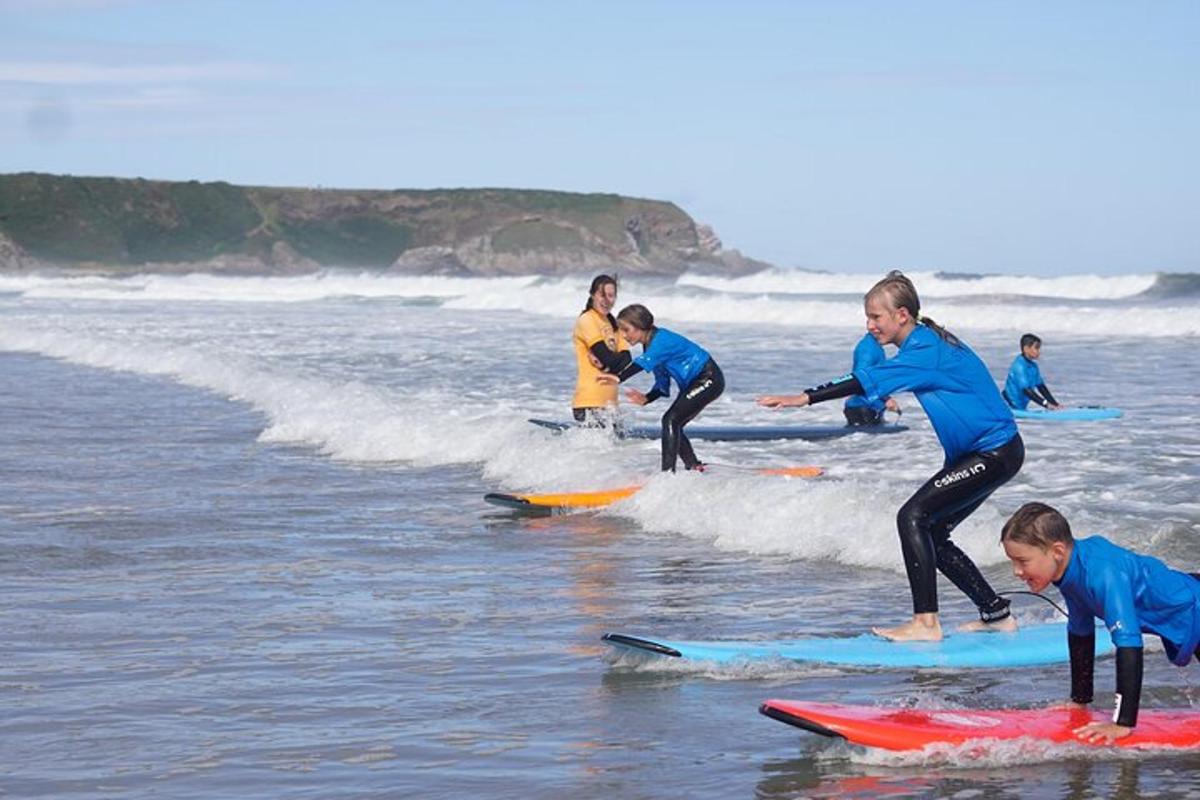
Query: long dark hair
point(901, 293)
point(597, 282)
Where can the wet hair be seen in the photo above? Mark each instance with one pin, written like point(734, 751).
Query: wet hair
point(638, 316)
point(597, 282)
point(1029, 340)
point(900, 293)
point(1037, 525)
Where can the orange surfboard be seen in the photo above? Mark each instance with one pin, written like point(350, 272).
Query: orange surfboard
point(566, 502)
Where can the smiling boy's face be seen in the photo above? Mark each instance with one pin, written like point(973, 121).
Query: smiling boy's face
point(1036, 566)
point(1032, 351)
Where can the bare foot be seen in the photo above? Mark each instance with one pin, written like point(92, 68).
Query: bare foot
point(917, 630)
point(1006, 625)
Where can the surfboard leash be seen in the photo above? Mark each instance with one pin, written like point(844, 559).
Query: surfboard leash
point(1035, 594)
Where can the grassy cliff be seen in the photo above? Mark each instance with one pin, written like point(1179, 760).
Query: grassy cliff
point(74, 222)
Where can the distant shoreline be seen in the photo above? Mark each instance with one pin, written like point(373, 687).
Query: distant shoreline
point(98, 225)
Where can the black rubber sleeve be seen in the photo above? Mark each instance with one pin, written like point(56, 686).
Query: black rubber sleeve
point(1129, 685)
point(613, 362)
point(653, 395)
point(1035, 397)
point(628, 371)
point(1083, 664)
point(839, 387)
point(1046, 393)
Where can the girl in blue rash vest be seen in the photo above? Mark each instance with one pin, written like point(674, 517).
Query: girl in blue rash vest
point(858, 409)
point(976, 431)
point(1025, 379)
point(669, 355)
point(1132, 593)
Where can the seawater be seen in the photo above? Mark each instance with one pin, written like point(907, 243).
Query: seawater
point(245, 552)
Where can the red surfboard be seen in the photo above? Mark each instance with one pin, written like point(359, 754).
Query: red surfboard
point(914, 728)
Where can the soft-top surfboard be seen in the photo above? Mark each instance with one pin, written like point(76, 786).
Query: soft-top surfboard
point(916, 728)
point(1080, 414)
point(567, 502)
point(736, 433)
point(1031, 644)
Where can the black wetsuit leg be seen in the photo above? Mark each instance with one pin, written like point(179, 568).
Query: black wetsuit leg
point(862, 415)
point(930, 515)
point(707, 386)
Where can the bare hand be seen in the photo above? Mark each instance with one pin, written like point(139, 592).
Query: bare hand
point(1055, 407)
point(783, 400)
point(636, 397)
point(604, 377)
point(1102, 732)
point(891, 405)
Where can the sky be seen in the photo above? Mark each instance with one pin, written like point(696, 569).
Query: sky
point(1040, 138)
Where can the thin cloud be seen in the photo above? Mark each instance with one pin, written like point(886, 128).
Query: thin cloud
point(67, 73)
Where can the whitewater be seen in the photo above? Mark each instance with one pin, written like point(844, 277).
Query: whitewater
point(263, 495)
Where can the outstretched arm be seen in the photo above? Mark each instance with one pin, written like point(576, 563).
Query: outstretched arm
point(845, 386)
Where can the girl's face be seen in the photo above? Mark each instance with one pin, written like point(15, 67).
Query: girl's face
point(604, 298)
point(632, 335)
point(1036, 566)
point(888, 325)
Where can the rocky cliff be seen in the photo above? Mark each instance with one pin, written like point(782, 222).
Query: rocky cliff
point(114, 224)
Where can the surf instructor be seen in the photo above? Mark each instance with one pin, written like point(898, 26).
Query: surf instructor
point(977, 432)
point(599, 347)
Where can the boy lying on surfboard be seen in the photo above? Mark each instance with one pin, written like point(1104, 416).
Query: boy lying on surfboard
point(1132, 593)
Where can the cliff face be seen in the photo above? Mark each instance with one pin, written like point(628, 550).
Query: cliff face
point(139, 225)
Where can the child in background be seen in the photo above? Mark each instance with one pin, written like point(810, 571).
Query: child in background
point(1025, 379)
point(1132, 593)
point(860, 410)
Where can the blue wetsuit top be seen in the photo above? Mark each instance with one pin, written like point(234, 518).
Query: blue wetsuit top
point(670, 355)
point(1023, 374)
point(867, 353)
point(1132, 593)
point(954, 387)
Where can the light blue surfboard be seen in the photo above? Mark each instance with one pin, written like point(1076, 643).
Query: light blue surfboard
point(740, 433)
point(1028, 646)
point(1080, 414)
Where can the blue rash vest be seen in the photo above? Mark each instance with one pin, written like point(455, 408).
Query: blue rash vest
point(1023, 374)
point(1132, 593)
point(670, 355)
point(954, 387)
point(867, 353)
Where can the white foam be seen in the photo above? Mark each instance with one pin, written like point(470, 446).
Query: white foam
point(674, 305)
point(930, 284)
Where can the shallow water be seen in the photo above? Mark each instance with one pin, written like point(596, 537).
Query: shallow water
point(245, 553)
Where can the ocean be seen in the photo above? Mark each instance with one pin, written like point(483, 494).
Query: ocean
point(245, 551)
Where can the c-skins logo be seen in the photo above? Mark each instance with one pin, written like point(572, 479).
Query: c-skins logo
point(955, 477)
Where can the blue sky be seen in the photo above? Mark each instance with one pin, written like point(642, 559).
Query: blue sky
point(1040, 138)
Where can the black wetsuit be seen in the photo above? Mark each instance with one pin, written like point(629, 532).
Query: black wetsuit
point(704, 388)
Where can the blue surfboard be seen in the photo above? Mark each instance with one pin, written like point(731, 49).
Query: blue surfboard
point(1080, 414)
point(1028, 646)
point(738, 433)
